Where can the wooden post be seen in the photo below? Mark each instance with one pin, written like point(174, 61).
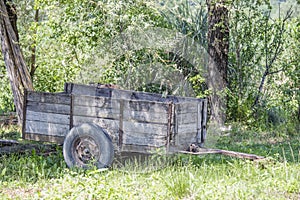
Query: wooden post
point(121, 118)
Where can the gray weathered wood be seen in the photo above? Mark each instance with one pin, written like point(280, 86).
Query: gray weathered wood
point(52, 98)
point(142, 121)
point(199, 122)
point(187, 118)
point(44, 138)
point(47, 117)
point(225, 152)
point(186, 107)
point(109, 113)
point(146, 106)
point(46, 128)
point(148, 117)
point(109, 125)
point(145, 129)
point(187, 128)
point(142, 148)
point(100, 102)
point(48, 108)
point(155, 141)
point(204, 121)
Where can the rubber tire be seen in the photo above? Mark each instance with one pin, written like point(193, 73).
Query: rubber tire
point(99, 136)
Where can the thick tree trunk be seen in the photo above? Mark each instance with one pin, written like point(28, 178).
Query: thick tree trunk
point(218, 46)
point(16, 67)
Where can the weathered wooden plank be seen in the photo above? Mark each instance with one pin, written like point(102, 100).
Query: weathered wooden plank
point(148, 117)
point(155, 141)
point(93, 90)
point(187, 118)
point(47, 117)
point(109, 125)
point(203, 151)
point(88, 90)
point(109, 113)
point(144, 129)
point(48, 108)
point(187, 138)
point(104, 123)
point(187, 128)
point(46, 128)
point(142, 148)
point(186, 107)
point(204, 121)
point(92, 101)
point(52, 98)
point(188, 99)
point(121, 94)
point(146, 106)
point(44, 138)
point(199, 123)
point(183, 142)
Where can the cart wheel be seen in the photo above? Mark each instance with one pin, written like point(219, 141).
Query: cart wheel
point(88, 145)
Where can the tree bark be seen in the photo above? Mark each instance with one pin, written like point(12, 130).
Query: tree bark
point(218, 46)
point(14, 61)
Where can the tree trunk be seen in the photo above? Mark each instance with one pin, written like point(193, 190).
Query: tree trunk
point(218, 46)
point(15, 64)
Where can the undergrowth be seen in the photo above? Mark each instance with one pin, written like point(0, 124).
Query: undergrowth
point(46, 176)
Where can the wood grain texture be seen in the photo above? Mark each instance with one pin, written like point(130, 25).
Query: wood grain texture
point(144, 129)
point(46, 128)
point(51, 98)
point(108, 113)
point(154, 141)
point(94, 101)
point(48, 107)
point(47, 117)
point(44, 138)
point(142, 148)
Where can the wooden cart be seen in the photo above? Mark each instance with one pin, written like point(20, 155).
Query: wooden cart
point(93, 122)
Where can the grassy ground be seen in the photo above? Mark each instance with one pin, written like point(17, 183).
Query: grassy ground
point(35, 176)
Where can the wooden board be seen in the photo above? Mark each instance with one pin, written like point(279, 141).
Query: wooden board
point(43, 138)
point(47, 117)
point(94, 101)
point(46, 128)
point(52, 98)
point(110, 125)
point(187, 118)
point(142, 148)
point(48, 108)
point(144, 129)
point(154, 141)
point(109, 113)
point(144, 116)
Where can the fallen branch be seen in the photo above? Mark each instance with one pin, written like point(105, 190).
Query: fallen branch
point(44, 149)
point(203, 151)
point(8, 142)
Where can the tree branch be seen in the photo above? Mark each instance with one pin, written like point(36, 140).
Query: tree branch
point(278, 50)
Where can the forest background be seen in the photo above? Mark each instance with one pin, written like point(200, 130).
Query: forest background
point(64, 41)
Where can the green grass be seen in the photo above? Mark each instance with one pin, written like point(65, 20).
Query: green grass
point(33, 176)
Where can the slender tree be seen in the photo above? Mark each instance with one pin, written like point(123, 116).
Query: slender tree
point(15, 64)
point(218, 46)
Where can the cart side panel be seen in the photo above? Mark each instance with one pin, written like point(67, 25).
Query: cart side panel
point(144, 126)
point(47, 116)
point(99, 110)
point(188, 124)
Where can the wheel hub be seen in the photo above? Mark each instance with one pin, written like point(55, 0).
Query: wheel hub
point(86, 150)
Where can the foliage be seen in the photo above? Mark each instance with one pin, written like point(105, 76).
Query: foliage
point(260, 50)
point(6, 99)
point(73, 38)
